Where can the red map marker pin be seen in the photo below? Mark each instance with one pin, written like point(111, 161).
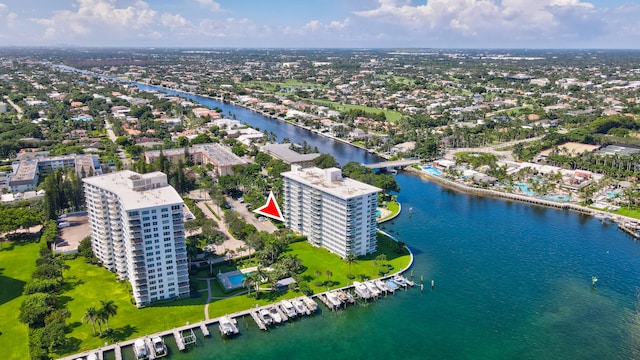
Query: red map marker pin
point(270, 209)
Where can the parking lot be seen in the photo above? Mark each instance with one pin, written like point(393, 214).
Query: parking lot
point(72, 235)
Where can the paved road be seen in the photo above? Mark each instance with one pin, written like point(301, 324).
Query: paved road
point(15, 106)
point(126, 162)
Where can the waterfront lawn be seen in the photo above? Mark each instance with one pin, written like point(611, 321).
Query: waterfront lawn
point(88, 284)
point(17, 262)
point(319, 259)
point(394, 208)
point(634, 213)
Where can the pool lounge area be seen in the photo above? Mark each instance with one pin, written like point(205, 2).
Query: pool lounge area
point(233, 279)
point(431, 170)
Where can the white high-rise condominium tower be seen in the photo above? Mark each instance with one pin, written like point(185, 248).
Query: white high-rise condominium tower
point(137, 231)
point(333, 212)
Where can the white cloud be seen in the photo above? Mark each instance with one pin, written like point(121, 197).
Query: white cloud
point(210, 4)
point(317, 25)
point(505, 19)
point(3, 7)
point(96, 16)
point(173, 21)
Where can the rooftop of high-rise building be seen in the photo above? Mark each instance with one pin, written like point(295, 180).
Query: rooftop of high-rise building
point(137, 190)
point(330, 181)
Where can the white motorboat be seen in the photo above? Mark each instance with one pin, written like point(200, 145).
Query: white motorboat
point(227, 326)
point(141, 350)
point(381, 285)
point(288, 308)
point(392, 285)
point(300, 307)
point(373, 289)
point(400, 281)
point(265, 316)
point(275, 315)
point(362, 290)
point(92, 356)
point(333, 299)
point(310, 304)
point(159, 347)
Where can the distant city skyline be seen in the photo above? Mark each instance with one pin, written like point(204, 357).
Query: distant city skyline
point(322, 23)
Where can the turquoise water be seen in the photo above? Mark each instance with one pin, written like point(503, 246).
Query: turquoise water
point(511, 281)
point(236, 280)
point(525, 189)
point(431, 170)
point(613, 194)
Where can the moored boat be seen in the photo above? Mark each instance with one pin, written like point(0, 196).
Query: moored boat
point(300, 307)
point(333, 299)
point(310, 304)
point(361, 290)
point(391, 285)
point(141, 350)
point(373, 289)
point(381, 285)
point(265, 316)
point(400, 281)
point(288, 308)
point(275, 315)
point(158, 346)
point(227, 326)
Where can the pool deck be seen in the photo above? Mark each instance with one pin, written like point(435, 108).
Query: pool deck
point(225, 278)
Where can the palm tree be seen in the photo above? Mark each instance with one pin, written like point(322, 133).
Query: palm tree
point(350, 259)
point(329, 274)
point(252, 279)
point(91, 315)
point(108, 309)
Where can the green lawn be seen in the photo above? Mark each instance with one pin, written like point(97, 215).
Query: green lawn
point(391, 115)
point(634, 213)
point(17, 262)
point(88, 284)
point(318, 259)
point(392, 206)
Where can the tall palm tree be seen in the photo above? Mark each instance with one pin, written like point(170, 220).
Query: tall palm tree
point(329, 274)
point(108, 309)
point(91, 315)
point(350, 259)
point(253, 279)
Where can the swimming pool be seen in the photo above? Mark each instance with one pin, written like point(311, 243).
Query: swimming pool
point(236, 279)
point(525, 189)
point(613, 194)
point(431, 170)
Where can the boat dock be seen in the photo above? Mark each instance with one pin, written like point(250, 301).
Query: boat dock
point(152, 353)
point(256, 318)
point(325, 301)
point(204, 329)
point(179, 342)
point(282, 314)
point(185, 335)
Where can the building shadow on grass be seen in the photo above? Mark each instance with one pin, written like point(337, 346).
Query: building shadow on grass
point(11, 288)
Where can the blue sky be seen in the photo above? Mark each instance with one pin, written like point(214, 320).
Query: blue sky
point(323, 23)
